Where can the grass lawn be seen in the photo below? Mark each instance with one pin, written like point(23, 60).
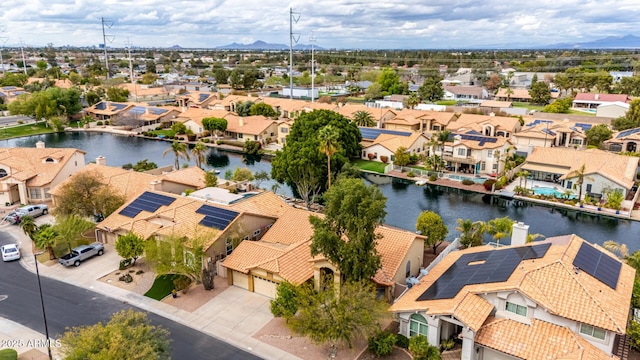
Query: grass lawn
point(166, 132)
point(162, 286)
point(540, 108)
point(370, 165)
point(25, 130)
point(447, 102)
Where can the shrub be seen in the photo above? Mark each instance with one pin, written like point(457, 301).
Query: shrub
point(447, 344)
point(20, 122)
point(433, 177)
point(127, 278)
point(467, 182)
point(382, 343)
point(413, 159)
point(8, 354)
point(488, 184)
point(411, 174)
point(219, 142)
point(181, 283)
point(205, 140)
point(99, 123)
point(402, 341)
point(421, 350)
point(384, 158)
point(139, 272)
point(106, 122)
point(125, 263)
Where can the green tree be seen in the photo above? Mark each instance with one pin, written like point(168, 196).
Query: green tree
point(144, 165)
point(431, 90)
point(560, 106)
point(117, 94)
point(420, 348)
point(374, 91)
point(363, 119)
point(235, 79)
point(443, 136)
point(198, 152)
point(540, 92)
point(242, 174)
point(352, 212)
point(28, 226)
point(130, 246)
point(614, 198)
point(215, 125)
point(389, 81)
point(412, 101)
point(127, 335)
point(471, 233)
point(177, 255)
point(86, 194)
point(580, 176)
point(329, 317)
point(301, 165)
point(179, 128)
point(430, 225)
point(598, 134)
point(328, 138)
point(629, 121)
point(286, 302)
point(243, 108)
point(45, 238)
point(180, 151)
point(14, 79)
point(401, 156)
point(210, 179)
point(260, 177)
point(500, 228)
point(251, 147)
point(263, 109)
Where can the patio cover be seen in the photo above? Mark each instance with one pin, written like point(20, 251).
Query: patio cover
point(546, 168)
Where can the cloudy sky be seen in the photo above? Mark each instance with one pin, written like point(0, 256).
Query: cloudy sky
point(412, 24)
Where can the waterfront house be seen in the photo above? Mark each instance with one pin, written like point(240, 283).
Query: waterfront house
point(379, 115)
point(142, 117)
point(192, 118)
point(195, 99)
point(419, 120)
point(106, 110)
point(474, 153)
point(256, 128)
point(589, 101)
point(284, 254)
point(603, 170)
point(486, 125)
point(27, 174)
point(549, 133)
point(562, 298)
point(385, 145)
point(626, 140)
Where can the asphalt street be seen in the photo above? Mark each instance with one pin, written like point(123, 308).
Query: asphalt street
point(13, 119)
point(67, 305)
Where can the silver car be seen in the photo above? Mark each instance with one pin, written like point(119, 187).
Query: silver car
point(10, 252)
point(33, 210)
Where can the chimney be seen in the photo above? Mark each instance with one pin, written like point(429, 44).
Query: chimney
point(108, 106)
point(241, 121)
point(40, 145)
point(156, 185)
point(596, 96)
point(101, 160)
point(457, 139)
point(492, 114)
point(519, 233)
point(184, 109)
point(146, 110)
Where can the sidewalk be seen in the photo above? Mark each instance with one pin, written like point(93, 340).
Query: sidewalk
point(233, 316)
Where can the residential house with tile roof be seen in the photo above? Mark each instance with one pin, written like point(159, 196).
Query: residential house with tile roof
point(562, 298)
point(379, 115)
point(385, 146)
point(197, 99)
point(518, 95)
point(626, 140)
point(473, 153)
point(486, 125)
point(255, 128)
point(603, 170)
point(144, 93)
point(27, 174)
point(592, 101)
point(192, 117)
point(472, 94)
point(419, 120)
point(284, 254)
point(549, 133)
point(10, 93)
point(106, 110)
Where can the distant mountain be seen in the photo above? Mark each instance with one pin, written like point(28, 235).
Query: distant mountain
point(611, 42)
point(261, 45)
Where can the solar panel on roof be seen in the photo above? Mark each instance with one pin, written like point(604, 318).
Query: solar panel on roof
point(480, 268)
point(371, 133)
point(598, 264)
point(118, 106)
point(8, 88)
point(547, 131)
point(627, 133)
point(139, 110)
point(203, 97)
point(101, 105)
point(157, 111)
point(215, 217)
point(148, 201)
point(584, 127)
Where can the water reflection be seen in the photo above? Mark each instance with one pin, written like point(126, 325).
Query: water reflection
point(217, 159)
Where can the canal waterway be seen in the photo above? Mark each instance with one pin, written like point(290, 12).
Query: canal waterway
point(405, 200)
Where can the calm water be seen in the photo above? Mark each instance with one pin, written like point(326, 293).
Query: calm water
point(405, 200)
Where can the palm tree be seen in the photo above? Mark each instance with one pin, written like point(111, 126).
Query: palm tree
point(363, 118)
point(443, 136)
point(580, 175)
point(28, 226)
point(328, 137)
point(412, 101)
point(198, 153)
point(533, 237)
point(500, 228)
point(620, 250)
point(45, 239)
point(471, 233)
point(180, 150)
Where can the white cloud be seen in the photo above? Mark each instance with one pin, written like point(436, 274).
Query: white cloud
point(337, 23)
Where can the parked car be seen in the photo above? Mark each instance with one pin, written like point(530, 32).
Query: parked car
point(10, 252)
point(81, 253)
point(12, 217)
point(33, 210)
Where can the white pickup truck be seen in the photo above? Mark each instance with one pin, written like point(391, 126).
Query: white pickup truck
point(81, 253)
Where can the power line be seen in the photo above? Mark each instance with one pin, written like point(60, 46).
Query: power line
point(108, 24)
point(292, 19)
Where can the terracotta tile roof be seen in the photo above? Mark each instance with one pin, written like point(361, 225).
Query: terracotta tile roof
point(249, 254)
point(473, 310)
point(393, 248)
point(589, 97)
point(466, 122)
point(393, 142)
point(30, 165)
point(545, 281)
point(292, 227)
point(197, 114)
point(196, 98)
point(348, 110)
point(551, 341)
point(143, 90)
point(618, 168)
point(252, 125)
point(496, 104)
point(265, 203)
point(474, 144)
point(464, 90)
point(192, 176)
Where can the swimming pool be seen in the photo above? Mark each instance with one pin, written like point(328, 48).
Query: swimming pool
point(551, 192)
point(477, 180)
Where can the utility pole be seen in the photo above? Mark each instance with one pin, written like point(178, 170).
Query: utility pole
point(128, 43)
point(292, 18)
point(312, 39)
point(104, 42)
point(3, 39)
point(24, 62)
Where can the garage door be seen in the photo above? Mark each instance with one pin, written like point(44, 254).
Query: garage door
point(241, 280)
point(264, 287)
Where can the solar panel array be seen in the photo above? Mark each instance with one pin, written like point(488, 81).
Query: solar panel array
point(118, 106)
point(598, 264)
point(8, 88)
point(536, 122)
point(627, 133)
point(481, 268)
point(101, 105)
point(203, 97)
point(584, 127)
point(473, 132)
point(216, 218)
point(479, 138)
point(148, 201)
point(371, 133)
point(137, 110)
point(157, 111)
point(547, 131)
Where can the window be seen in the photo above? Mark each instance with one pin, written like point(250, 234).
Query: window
point(34, 193)
point(589, 186)
point(229, 246)
point(483, 166)
point(46, 193)
point(393, 158)
point(516, 309)
point(489, 154)
point(592, 331)
point(239, 136)
point(418, 325)
point(569, 184)
point(49, 160)
point(3, 173)
point(408, 269)
point(576, 141)
point(284, 130)
point(495, 167)
point(462, 152)
point(255, 137)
